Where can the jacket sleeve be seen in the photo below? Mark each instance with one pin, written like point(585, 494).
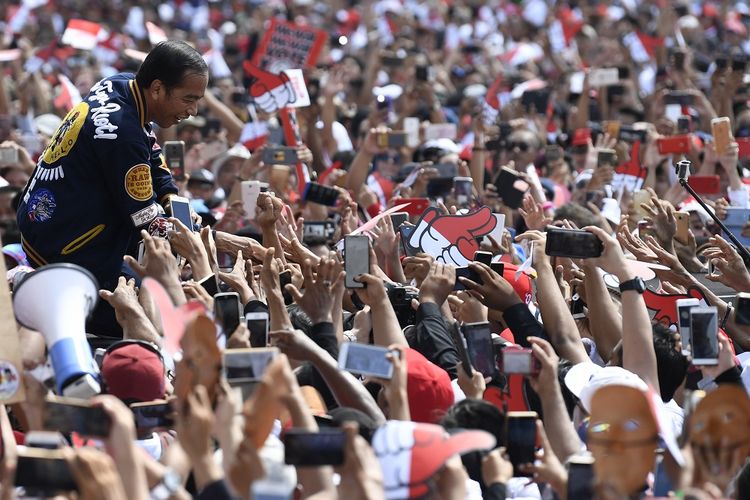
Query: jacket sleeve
point(433, 339)
point(523, 324)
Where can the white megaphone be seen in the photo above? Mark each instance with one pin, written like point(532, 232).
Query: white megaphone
point(55, 300)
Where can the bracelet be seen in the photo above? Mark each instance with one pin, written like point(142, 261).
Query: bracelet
point(726, 315)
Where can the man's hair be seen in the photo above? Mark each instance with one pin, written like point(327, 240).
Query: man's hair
point(574, 212)
point(671, 364)
point(169, 62)
point(476, 414)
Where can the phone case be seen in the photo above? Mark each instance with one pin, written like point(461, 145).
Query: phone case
point(721, 133)
point(705, 184)
point(678, 144)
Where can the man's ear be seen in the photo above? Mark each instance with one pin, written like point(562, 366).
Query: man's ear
point(156, 88)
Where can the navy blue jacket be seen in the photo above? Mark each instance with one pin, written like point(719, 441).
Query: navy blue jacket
point(101, 179)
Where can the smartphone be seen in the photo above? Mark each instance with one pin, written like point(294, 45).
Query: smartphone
point(43, 471)
point(520, 431)
point(68, 415)
point(604, 77)
point(460, 342)
point(313, 449)
point(704, 331)
point(483, 257)
point(318, 193)
point(573, 243)
point(141, 251)
point(356, 259)
point(174, 157)
point(422, 73)
point(611, 128)
point(280, 155)
point(250, 191)
point(257, 325)
point(682, 221)
point(705, 184)
point(720, 130)
point(511, 188)
point(228, 311)
point(581, 477)
point(48, 440)
point(678, 60)
point(606, 157)
point(416, 206)
point(683, 319)
point(479, 347)
point(677, 144)
point(577, 307)
point(365, 359)
point(8, 156)
point(462, 188)
point(683, 124)
point(680, 97)
point(317, 231)
point(742, 309)
point(398, 218)
point(466, 272)
point(538, 99)
point(391, 139)
point(518, 360)
point(498, 267)
point(180, 208)
point(153, 415)
point(247, 365)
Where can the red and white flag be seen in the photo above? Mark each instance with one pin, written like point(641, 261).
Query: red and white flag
point(522, 53)
point(155, 33)
point(69, 95)
point(81, 34)
point(254, 135)
point(217, 66)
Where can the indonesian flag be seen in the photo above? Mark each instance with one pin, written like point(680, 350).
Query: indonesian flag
point(17, 17)
point(642, 47)
point(68, 96)
point(254, 135)
point(81, 34)
point(217, 66)
point(491, 106)
point(155, 33)
point(522, 53)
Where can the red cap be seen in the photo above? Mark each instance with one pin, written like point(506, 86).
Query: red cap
point(428, 388)
point(581, 136)
point(133, 373)
point(522, 286)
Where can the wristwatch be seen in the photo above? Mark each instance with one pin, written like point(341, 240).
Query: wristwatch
point(170, 483)
point(636, 284)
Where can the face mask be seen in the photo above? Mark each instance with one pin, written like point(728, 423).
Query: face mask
point(622, 436)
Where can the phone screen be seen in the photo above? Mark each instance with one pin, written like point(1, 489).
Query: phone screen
point(480, 349)
point(84, 420)
point(247, 364)
point(174, 156)
point(572, 243)
point(227, 309)
point(366, 359)
point(683, 318)
point(483, 257)
point(153, 416)
point(258, 328)
point(356, 259)
point(517, 362)
point(460, 343)
point(521, 440)
point(325, 447)
point(323, 195)
point(742, 316)
point(704, 331)
point(580, 481)
point(44, 474)
point(181, 212)
point(398, 218)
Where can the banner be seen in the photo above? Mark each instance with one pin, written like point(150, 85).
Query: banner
point(287, 45)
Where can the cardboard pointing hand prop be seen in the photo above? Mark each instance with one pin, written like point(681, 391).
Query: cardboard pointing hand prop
point(452, 239)
point(270, 92)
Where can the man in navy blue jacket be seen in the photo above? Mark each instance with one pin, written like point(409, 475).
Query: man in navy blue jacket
point(102, 178)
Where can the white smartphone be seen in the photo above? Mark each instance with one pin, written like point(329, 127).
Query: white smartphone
point(257, 325)
point(250, 192)
point(603, 77)
point(141, 250)
point(356, 259)
point(181, 210)
point(247, 365)
point(683, 318)
point(365, 359)
point(704, 332)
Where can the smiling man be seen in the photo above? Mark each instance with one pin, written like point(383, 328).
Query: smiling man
point(102, 178)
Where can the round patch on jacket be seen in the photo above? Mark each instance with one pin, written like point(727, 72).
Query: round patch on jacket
point(66, 135)
point(41, 205)
point(138, 182)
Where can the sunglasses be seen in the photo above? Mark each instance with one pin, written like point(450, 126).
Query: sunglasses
point(522, 146)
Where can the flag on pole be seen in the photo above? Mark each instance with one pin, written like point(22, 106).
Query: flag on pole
point(81, 34)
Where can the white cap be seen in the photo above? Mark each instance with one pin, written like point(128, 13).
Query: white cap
point(584, 379)
point(47, 123)
point(444, 144)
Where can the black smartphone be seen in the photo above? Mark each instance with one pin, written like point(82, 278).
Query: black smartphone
point(498, 267)
point(356, 259)
point(479, 347)
point(742, 309)
point(536, 100)
point(704, 331)
point(318, 193)
point(285, 278)
point(680, 97)
point(511, 188)
point(573, 243)
point(43, 471)
point(521, 439)
point(391, 140)
point(247, 365)
point(483, 257)
point(398, 218)
point(683, 125)
point(313, 449)
point(460, 342)
point(581, 478)
point(280, 155)
point(466, 272)
point(68, 415)
point(174, 156)
point(228, 310)
point(422, 73)
point(153, 415)
point(606, 157)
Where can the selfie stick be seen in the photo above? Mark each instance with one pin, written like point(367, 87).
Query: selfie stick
point(683, 167)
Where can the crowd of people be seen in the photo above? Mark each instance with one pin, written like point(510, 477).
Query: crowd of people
point(539, 187)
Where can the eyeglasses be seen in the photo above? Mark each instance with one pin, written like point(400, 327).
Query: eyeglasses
point(522, 146)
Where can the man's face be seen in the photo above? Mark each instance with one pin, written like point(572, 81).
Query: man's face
point(722, 421)
point(180, 102)
point(522, 148)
